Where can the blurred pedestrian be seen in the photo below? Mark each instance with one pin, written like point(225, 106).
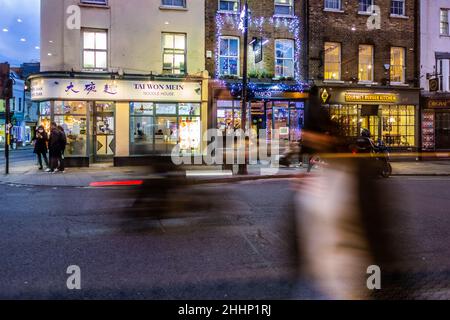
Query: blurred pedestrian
point(40, 146)
point(54, 146)
point(63, 137)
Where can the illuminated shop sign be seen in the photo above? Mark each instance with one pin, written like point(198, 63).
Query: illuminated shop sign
point(438, 103)
point(371, 97)
point(116, 90)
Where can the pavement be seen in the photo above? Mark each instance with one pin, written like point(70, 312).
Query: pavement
point(24, 171)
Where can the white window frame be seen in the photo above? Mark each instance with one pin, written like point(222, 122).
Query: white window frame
point(285, 59)
point(234, 1)
point(291, 5)
point(371, 63)
point(403, 80)
point(326, 8)
point(441, 22)
point(339, 79)
point(372, 2)
point(172, 71)
point(172, 5)
point(95, 68)
point(95, 2)
point(403, 8)
point(228, 57)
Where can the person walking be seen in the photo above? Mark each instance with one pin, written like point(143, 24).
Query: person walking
point(54, 147)
point(63, 142)
point(40, 146)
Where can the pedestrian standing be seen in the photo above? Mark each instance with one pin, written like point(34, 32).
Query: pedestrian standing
point(40, 146)
point(63, 148)
point(54, 147)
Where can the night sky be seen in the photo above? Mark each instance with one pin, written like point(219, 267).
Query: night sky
point(19, 31)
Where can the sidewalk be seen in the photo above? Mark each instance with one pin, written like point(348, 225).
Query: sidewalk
point(83, 177)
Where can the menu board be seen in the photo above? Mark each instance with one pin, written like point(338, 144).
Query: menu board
point(428, 139)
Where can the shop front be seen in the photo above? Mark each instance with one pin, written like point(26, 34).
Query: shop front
point(128, 120)
point(270, 107)
point(391, 116)
point(436, 122)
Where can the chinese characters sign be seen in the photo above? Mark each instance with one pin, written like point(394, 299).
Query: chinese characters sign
point(116, 90)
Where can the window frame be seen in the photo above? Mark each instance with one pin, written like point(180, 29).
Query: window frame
point(441, 22)
point(285, 59)
point(184, 6)
point(403, 80)
point(173, 53)
point(229, 11)
point(371, 63)
point(339, 62)
point(372, 2)
point(95, 50)
point(403, 14)
point(291, 7)
point(238, 57)
point(95, 2)
point(326, 8)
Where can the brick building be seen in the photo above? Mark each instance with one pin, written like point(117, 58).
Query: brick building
point(364, 62)
point(276, 65)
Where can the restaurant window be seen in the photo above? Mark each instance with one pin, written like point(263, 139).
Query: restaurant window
point(72, 116)
point(444, 23)
point(174, 3)
point(398, 7)
point(397, 65)
point(229, 5)
point(332, 61)
point(399, 125)
point(156, 128)
point(333, 4)
point(229, 56)
point(365, 73)
point(228, 115)
point(364, 5)
point(284, 58)
point(95, 50)
point(174, 53)
point(284, 7)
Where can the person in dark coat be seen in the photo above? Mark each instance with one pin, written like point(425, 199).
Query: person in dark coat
point(63, 148)
point(54, 147)
point(40, 146)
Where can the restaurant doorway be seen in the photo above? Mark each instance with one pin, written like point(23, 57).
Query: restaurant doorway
point(442, 120)
point(104, 131)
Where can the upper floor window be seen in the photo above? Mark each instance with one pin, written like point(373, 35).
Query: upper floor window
point(332, 61)
point(284, 7)
point(174, 53)
point(398, 7)
point(95, 49)
point(333, 4)
point(365, 72)
point(229, 5)
point(444, 22)
point(99, 2)
point(364, 5)
point(229, 56)
point(398, 65)
point(174, 3)
point(284, 58)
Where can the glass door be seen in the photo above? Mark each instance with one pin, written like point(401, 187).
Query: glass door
point(442, 130)
point(104, 131)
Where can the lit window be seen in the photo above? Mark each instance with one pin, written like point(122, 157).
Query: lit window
point(333, 4)
point(332, 61)
point(365, 63)
point(284, 7)
point(174, 53)
point(95, 50)
point(398, 7)
point(229, 56)
point(364, 5)
point(444, 22)
point(229, 5)
point(174, 3)
point(284, 57)
point(397, 65)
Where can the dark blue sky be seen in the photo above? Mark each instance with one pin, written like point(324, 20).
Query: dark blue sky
point(19, 31)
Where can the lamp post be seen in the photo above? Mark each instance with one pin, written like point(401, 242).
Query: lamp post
point(244, 21)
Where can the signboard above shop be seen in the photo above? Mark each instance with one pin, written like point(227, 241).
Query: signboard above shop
point(115, 90)
point(370, 97)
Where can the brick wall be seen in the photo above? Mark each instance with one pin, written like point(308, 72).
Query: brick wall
point(337, 27)
point(258, 8)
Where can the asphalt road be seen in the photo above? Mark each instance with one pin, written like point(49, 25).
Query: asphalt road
point(231, 241)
